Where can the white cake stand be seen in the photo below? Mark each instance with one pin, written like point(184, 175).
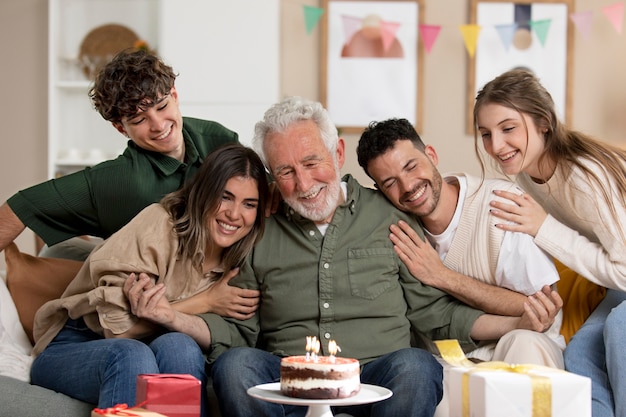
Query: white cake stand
point(319, 408)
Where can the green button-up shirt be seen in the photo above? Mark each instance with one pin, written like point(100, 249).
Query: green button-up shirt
point(348, 285)
point(98, 201)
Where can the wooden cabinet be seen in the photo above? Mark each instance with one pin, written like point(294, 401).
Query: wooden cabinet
point(225, 52)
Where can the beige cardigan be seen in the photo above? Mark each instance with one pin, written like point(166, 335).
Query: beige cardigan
point(146, 244)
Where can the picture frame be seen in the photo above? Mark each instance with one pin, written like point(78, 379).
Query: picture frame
point(371, 62)
point(548, 55)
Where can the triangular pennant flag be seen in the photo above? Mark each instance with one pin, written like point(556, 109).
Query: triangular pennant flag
point(615, 14)
point(429, 35)
point(582, 21)
point(541, 28)
point(506, 33)
point(351, 25)
point(470, 37)
point(311, 17)
point(388, 33)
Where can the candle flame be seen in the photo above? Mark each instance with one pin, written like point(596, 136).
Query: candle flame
point(333, 348)
point(312, 348)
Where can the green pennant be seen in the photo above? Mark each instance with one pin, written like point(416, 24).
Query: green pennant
point(311, 17)
point(541, 27)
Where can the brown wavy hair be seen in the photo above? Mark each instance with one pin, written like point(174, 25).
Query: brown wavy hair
point(134, 80)
point(191, 206)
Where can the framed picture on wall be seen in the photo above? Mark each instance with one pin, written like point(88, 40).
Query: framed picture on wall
point(371, 64)
point(536, 35)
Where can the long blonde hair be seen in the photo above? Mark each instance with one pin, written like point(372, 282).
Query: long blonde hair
point(521, 91)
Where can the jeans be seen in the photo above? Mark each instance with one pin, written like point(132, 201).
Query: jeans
point(88, 367)
point(414, 376)
point(597, 351)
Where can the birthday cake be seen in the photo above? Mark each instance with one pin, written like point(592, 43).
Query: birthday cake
point(319, 377)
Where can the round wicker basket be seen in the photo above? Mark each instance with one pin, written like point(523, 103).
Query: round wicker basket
point(101, 44)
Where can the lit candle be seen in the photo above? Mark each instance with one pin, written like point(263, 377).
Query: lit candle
point(310, 344)
point(333, 348)
point(316, 348)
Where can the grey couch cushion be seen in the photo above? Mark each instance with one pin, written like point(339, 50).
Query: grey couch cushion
point(25, 400)
point(21, 399)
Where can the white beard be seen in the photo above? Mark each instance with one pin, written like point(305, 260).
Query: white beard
point(322, 210)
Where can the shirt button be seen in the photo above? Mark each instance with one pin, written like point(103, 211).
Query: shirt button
point(327, 335)
point(326, 265)
point(311, 233)
point(326, 305)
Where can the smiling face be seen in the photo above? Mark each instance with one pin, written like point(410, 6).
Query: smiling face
point(306, 173)
point(158, 128)
point(512, 139)
point(236, 214)
point(408, 177)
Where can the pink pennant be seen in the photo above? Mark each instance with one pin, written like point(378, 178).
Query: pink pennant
point(615, 14)
point(351, 25)
point(388, 33)
point(429, 35)
point(582, 21)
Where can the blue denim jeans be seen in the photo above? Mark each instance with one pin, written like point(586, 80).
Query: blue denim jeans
point(85, 366)
point(597, 351)
point(414, 376)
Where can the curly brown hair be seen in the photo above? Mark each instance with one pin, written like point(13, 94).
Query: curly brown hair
point(134, 80)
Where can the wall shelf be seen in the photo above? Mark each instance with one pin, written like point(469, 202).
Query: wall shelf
point(226, 55)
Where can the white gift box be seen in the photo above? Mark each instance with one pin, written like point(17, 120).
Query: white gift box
point(517, 391)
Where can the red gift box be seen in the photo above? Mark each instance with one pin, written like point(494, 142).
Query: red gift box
point(175, 395)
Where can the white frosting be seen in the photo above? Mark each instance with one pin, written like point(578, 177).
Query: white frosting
point(349, 367)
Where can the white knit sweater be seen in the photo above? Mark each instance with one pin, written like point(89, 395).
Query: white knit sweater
point(580, 230)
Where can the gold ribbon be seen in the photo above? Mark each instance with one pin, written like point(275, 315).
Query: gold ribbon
point(541, 386)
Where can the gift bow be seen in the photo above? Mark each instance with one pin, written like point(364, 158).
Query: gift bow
point(116, 410)
point(541, 386)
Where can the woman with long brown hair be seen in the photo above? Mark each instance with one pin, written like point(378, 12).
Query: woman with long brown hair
point(132, 308)
point(574, 207)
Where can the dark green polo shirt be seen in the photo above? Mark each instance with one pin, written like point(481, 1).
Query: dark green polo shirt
point(99, 200)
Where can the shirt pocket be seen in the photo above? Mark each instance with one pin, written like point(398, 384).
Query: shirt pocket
point(371, 271)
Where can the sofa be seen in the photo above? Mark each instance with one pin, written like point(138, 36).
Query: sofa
point(26, 284)
point(29, 281)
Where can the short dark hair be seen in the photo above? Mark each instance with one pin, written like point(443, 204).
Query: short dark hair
point(134, 80)
point(379, 137)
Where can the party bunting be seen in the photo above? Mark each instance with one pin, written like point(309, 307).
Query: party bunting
point(311, 17)
point(506, 33)
point(351, 25)
point(541, 28)
point(470, 37)
point(388, 33)
point(615, 14)
point(429, 35)
point(582, 21)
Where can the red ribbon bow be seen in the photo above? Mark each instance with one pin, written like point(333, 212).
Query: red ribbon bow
point(116, 410)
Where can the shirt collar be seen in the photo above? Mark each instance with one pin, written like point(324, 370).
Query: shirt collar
point(166, 164)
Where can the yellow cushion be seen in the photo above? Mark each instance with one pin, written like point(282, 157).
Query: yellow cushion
point(33, 280)
point(580, 298)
